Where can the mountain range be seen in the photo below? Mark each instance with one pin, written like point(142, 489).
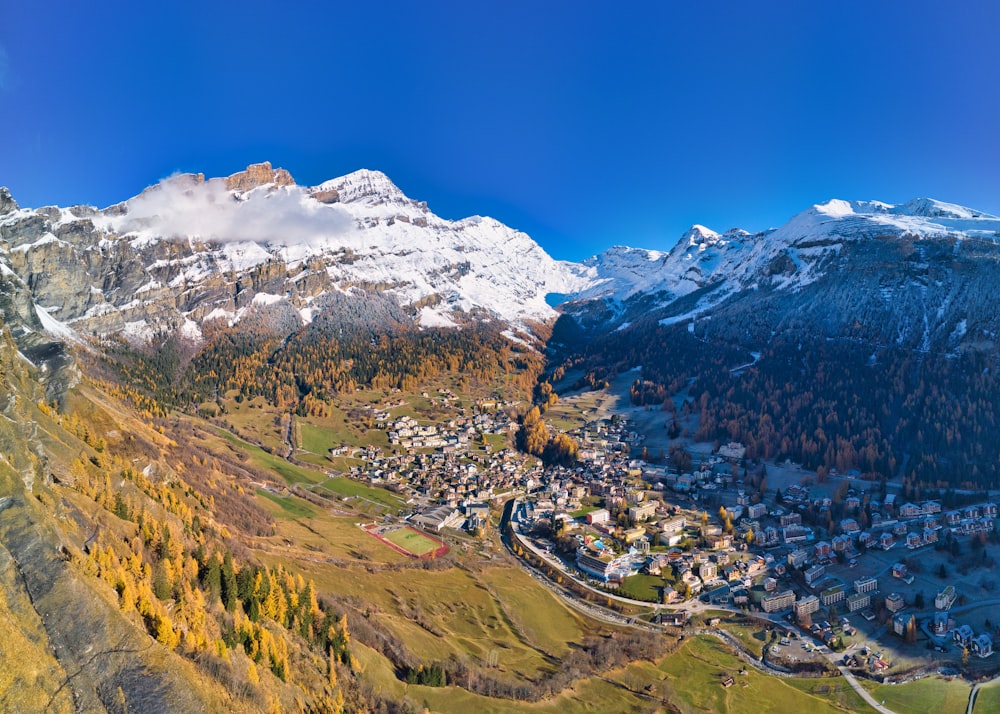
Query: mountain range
point(190, 251)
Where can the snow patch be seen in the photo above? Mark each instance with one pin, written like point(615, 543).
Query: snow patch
point(267, 299)
point(53, 326)
point(190, 331)
point(429, 317)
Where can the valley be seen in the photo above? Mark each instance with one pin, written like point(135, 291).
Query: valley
point(366, 466)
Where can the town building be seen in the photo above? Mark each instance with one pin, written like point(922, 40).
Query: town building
point(901, 622)
point(777, 601)
point(806, 606)
point(603, 567)
point(643, 511)
point(832, 595)
point(797, 558)
point(866, 585)
point(946, 598)
point(859, 601)
point(814, 573)
point(894, 602)
point(601, 515)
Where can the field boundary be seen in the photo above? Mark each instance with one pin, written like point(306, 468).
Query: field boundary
point(377, 532)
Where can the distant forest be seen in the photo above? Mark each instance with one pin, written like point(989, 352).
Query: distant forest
point(824, 404)
point(304, 371)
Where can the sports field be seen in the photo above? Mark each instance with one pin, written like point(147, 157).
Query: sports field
point(413, 541)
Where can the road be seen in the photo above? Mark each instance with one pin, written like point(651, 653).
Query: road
point(863, 693)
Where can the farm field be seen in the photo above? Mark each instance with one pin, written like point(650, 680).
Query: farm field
point(287, 506)
point(931, 694)
point(692, 677)
point(988, 699)
point(438, 613)
point(361, 494)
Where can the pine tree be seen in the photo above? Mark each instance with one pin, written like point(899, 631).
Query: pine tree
point(230, 588)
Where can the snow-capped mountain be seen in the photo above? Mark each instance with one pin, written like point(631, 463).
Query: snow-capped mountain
point(190, 250)
point(919, 273)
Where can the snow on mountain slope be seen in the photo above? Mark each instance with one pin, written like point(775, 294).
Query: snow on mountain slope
point(190, 250)
point(187, 250)
point(787, 257)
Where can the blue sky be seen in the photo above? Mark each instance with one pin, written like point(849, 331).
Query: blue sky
point(586, 124)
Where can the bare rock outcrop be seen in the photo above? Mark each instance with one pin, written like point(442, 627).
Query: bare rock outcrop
point(258, 175)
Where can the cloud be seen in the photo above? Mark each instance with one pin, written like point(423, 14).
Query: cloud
point(181, 207)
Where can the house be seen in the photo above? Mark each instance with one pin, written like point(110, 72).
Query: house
point(962, 635)
point(981, 645)
point(719, 541)
point(939, 623)
point(673, 619)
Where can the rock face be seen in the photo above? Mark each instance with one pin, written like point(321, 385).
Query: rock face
point(258, 175)
point(327, 196)
point(7, 202)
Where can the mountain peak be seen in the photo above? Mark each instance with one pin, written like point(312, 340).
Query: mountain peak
point(258, 175)
point(932, 208)
point(699, 235)
point(7, 202)
point(365, 185)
